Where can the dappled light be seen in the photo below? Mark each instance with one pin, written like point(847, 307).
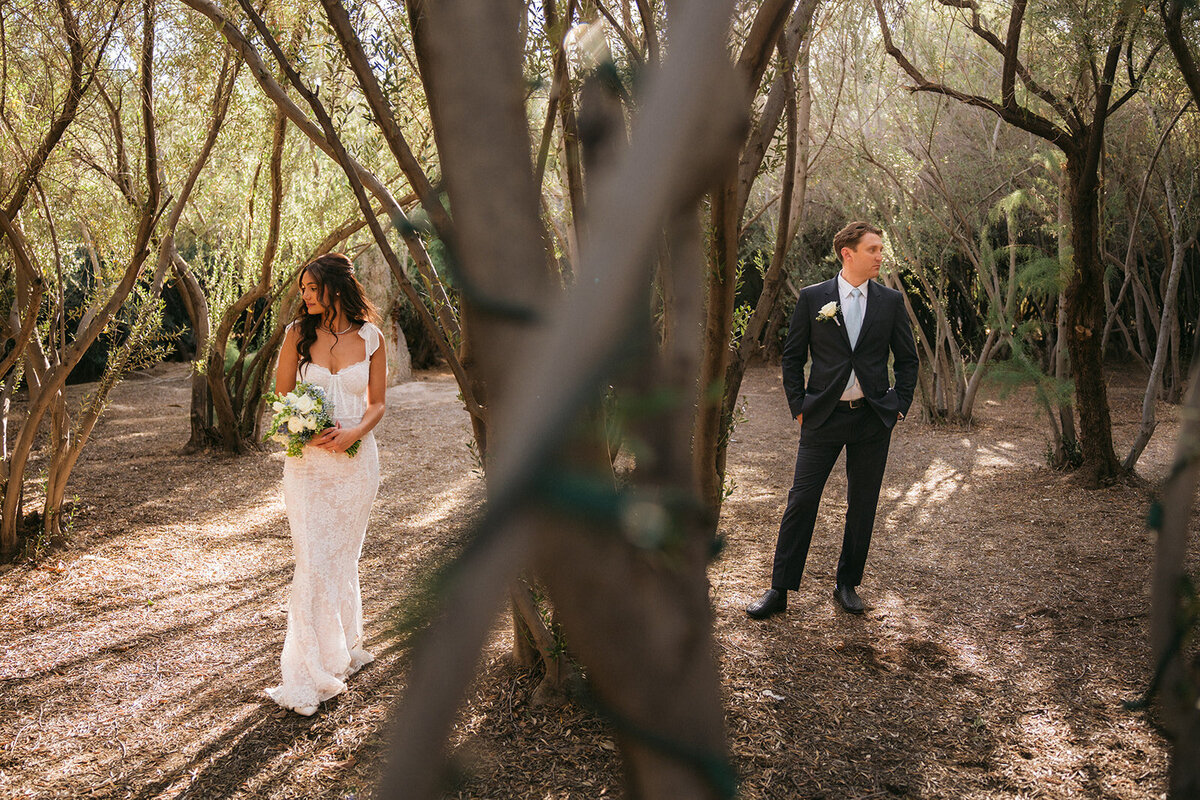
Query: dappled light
point(987, 658)
point(728, 400)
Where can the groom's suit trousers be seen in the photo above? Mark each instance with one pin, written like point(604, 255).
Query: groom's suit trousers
point(865, 439)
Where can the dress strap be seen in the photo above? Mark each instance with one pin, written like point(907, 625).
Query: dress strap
point(371, 336)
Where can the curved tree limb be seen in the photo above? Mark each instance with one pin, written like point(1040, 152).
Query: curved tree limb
point(385, 117)
point(1172, 16)
point(20, 251)
point(583, 342)
point(650, 28)
point(1015, 114)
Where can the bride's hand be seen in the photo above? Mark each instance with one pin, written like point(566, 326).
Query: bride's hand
point(337, 439)
point(323, 439)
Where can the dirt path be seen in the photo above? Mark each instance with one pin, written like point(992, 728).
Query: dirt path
point(1006, 624)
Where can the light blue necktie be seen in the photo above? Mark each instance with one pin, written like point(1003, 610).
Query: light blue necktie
point(852, 313)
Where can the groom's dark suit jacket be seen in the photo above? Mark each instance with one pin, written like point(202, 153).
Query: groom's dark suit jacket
point(885, 327)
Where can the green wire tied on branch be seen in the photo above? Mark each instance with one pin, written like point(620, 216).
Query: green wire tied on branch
point(650, 520)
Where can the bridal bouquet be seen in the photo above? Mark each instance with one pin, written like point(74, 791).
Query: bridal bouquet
point(299, 416)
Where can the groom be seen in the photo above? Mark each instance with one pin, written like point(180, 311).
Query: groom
point(846, 327)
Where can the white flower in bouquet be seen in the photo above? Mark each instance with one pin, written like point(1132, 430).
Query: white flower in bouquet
point(305, 403)
point(278, 406)
point(295, 425)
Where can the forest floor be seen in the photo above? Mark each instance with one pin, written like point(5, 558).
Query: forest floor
point(1006, 622)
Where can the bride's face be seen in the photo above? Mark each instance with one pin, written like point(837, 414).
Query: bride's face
point(313, 294)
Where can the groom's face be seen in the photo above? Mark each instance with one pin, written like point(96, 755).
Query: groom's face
point(861, 262)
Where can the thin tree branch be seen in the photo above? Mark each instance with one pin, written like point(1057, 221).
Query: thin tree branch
point(1017, 115)
point(355, 174)
point(651, 30)
point(626, 36)
point(385, 117)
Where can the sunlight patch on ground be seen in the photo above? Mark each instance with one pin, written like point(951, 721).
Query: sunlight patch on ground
point(939, 483)
point(970, 656)
point(442, 505)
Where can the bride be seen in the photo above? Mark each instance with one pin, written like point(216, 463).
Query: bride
point(332, 343)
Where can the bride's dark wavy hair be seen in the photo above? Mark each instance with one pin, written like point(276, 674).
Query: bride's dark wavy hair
point(336, 285)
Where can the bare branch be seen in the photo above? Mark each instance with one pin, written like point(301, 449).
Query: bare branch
point(1172, 15)
point(64, 118)
point(1017, 115)
point(278, 95)
point(1135, 81)
point(1011, 46)
point(123, 177)
point(768, 120)
point(756, 52)
point(566, 106)
point(219, 107)
point(355, 173)
point(650, 29)
point(631, 46)
point(20, 251)
point(685, 132)
point(386, 119)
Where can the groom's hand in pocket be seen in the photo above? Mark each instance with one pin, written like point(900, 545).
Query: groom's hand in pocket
point(800, 420)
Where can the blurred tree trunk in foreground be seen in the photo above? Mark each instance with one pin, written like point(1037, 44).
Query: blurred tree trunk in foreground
point(625, 566)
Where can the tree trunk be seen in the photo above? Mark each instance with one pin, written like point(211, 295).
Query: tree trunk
point(1085, 322)
point(1172, 593)
point(793, 193)
point(195, 303)
point(728, 204)
point(222, 381)
point(598, 579)
point(1167, 328)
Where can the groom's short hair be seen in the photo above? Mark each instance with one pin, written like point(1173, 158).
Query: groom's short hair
point(850, 235)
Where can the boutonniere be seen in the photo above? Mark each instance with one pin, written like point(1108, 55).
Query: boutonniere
point(829, 311)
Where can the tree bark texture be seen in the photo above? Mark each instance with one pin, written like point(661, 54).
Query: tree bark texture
point(416, 248)
point(1081, 140)
point(48, 394)
point(1084, 297)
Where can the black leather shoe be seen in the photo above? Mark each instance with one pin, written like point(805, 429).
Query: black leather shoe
point(773, 601)
point(848, 599)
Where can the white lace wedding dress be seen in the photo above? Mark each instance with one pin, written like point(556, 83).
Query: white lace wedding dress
point(328, 498)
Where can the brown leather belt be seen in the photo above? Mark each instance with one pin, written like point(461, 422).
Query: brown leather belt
point(849, 404)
